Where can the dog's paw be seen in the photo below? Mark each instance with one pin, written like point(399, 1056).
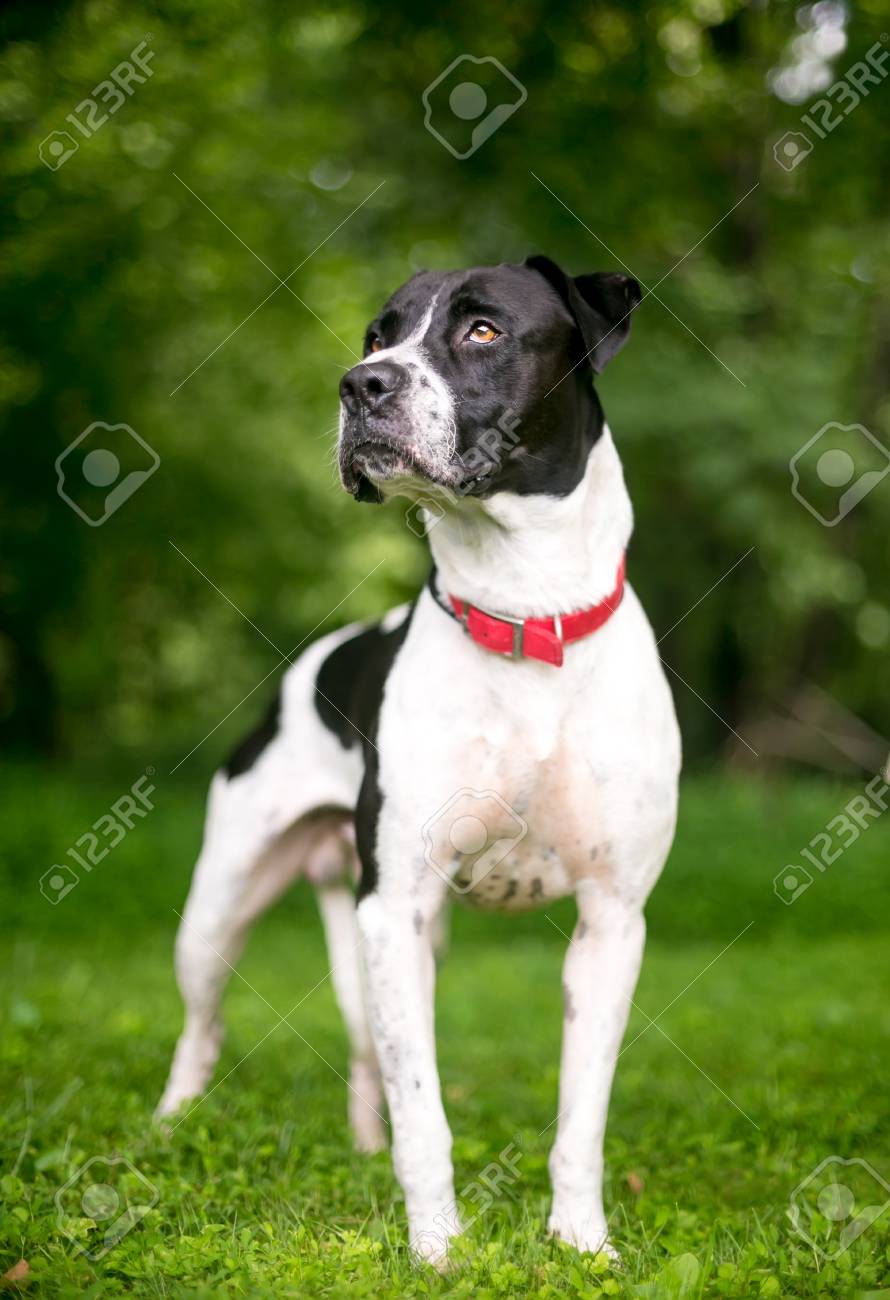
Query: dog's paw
point(172, 1102)
point(432, 1234)
point(369, 1139)
point(590, 1235)
point(431, 1247)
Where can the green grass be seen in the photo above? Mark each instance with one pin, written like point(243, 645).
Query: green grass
point(258, 1190)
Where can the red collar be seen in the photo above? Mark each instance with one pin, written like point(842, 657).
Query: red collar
point(534, 638)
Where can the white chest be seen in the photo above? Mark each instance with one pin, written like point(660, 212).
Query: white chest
point(527, 780)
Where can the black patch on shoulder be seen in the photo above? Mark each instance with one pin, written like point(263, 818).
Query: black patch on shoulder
point(246, 753)
point(348, 693)
point(349, 683)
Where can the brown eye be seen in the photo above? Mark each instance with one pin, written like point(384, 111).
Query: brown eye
point(482, 332)
point(375, 344)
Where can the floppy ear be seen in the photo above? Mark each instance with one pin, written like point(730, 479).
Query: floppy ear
point(601, 305)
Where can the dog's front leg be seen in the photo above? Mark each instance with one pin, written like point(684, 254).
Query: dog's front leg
point(599, 975)
point(400, 981)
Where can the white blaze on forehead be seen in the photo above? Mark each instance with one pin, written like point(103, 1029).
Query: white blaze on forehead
point(412, 345)
point(426, 401)
point(420, 331)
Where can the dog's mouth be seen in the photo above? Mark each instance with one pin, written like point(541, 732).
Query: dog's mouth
point(383, 460)
point(373, 462)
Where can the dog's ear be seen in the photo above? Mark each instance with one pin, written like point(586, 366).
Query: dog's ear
point(601, 305)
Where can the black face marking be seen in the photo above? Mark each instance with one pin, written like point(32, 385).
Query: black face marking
point(525, 412)
point(246, 753)
point(353, 678)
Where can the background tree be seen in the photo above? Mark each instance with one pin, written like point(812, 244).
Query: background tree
point(269, 139)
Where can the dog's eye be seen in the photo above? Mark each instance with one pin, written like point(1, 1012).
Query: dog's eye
point(375, 343)
point(481, 331)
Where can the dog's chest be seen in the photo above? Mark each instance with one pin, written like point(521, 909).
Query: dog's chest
point(523, 827)
point(516, 782)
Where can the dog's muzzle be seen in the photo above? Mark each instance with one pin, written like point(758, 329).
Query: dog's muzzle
point(376, 440)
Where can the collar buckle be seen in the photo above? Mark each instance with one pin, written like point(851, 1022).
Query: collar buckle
point(517, 624)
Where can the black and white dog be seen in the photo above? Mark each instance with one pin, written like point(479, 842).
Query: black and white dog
point(507, 740)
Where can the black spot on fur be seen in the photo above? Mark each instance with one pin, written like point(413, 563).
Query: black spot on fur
point(349, 690)
point(537, 888)
point(349, 683)
point(249, 749)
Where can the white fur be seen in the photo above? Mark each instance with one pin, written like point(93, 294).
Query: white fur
point(426, 403)
point(586, 757)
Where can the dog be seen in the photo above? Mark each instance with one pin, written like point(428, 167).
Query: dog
point(506, 740)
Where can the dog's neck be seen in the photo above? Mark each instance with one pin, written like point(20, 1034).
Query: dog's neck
point(531, 556)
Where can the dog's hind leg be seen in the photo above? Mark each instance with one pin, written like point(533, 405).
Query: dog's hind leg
point(336, 903)
point(243, 866)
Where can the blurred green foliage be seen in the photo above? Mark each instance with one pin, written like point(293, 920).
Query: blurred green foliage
point(134, 283)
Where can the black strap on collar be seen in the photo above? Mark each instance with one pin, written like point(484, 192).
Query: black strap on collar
point(431, 584)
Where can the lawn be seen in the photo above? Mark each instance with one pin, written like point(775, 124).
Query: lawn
point(768, 1055)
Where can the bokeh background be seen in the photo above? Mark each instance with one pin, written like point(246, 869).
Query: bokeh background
point(649, 122)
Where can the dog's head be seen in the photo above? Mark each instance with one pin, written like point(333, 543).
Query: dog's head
point(479, 381)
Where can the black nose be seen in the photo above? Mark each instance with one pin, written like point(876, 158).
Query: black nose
point(370, 385)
